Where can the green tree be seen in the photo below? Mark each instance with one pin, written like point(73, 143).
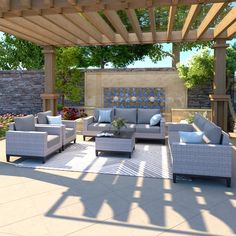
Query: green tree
point(200, 69)
point(122, 55)
point(19, 54)
point(68, 75)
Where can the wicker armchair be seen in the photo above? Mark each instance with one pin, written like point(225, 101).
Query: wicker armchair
point(68, 127)
point(39, 143)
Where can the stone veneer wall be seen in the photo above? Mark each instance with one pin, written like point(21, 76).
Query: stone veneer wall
point(199, 97)
point(20, 91)
point(167, 78)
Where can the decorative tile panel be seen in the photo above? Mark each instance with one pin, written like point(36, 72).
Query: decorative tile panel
point(135, 98)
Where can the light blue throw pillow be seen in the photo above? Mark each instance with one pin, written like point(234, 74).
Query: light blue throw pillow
point(104, 116)
point(155, 119)
point(191, 137)
point(54, 120)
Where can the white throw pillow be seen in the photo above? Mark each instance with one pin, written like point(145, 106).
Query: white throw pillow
point(155, 119)
point(191, 137)
point(54, 120)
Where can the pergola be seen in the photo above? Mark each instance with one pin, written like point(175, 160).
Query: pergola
point(58, 23)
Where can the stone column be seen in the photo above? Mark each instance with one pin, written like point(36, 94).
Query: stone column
point(219, 99)
point(49, 96)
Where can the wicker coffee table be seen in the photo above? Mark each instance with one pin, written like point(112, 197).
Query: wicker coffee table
point(120, 143)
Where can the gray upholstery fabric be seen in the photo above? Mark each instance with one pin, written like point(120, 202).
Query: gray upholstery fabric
point(212, 133)
point(52, 140)
point(144, 115)
point(99, 126)
point(69, 132)
point(196, 120)
point(129, 114)
point(26, 123)
point(42, 117)
point(199, 121)
point(146, 128)
point(129, 127)
point(96, 113)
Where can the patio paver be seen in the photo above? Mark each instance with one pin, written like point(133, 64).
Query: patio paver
point(46, 202)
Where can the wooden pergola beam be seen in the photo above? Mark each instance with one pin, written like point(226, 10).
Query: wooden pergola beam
point(5, 5)
point(46, 24)
point(171, 19)
point(29, 33)
point(99, 23)
point(192, 14)
point(152, 18)
point(39, 30)
point(162, 37)
point(210, 17)
point(115, 20)
point(22, 36)
point(225, 23)
point(135, 23)
point(93, 5)
point(85, 25)
point(231, 31)
point(25, 4)
point(61, 21)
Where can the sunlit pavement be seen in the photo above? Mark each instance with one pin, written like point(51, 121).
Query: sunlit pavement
point(44, 202)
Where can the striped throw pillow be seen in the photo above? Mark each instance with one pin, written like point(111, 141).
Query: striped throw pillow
point(104, 116)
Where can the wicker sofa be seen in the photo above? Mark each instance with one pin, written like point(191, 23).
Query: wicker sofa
point(213, 157)
point(138, 121)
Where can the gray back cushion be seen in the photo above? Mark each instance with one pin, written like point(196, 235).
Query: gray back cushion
point(42, 117)
point(212, 133)
point(144, 115)
point(96, 113)
point(129, 114)
point(200, 121)
point(26, 123)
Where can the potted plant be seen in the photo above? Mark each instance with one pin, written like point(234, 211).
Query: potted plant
point(118, 123)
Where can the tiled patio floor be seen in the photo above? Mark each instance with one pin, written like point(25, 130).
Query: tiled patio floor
point(43, 202)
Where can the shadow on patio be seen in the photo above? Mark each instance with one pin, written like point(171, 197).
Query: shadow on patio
point(131, 203)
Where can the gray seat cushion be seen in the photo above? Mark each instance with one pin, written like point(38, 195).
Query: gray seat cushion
point(144, 115)
point(212, 133)
point(52, 140)
point(99, 126)
point(129, 114)
point(69, 132)
point(129, 127)
point(26, 123)
point(173, 137)
point(42, 117)
point(146, 128)
point(96, 113)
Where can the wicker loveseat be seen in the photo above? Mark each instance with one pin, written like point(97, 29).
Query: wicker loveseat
point(213, 157)
point(138, 121)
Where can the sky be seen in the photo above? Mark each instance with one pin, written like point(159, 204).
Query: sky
point(167, 62)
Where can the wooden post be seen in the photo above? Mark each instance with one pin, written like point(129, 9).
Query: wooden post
point(49, 96)
point(219, 99)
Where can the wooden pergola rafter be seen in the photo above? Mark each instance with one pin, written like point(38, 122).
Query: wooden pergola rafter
point(80, 22)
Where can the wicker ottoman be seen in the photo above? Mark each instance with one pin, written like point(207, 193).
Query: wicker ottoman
point(122, 143)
